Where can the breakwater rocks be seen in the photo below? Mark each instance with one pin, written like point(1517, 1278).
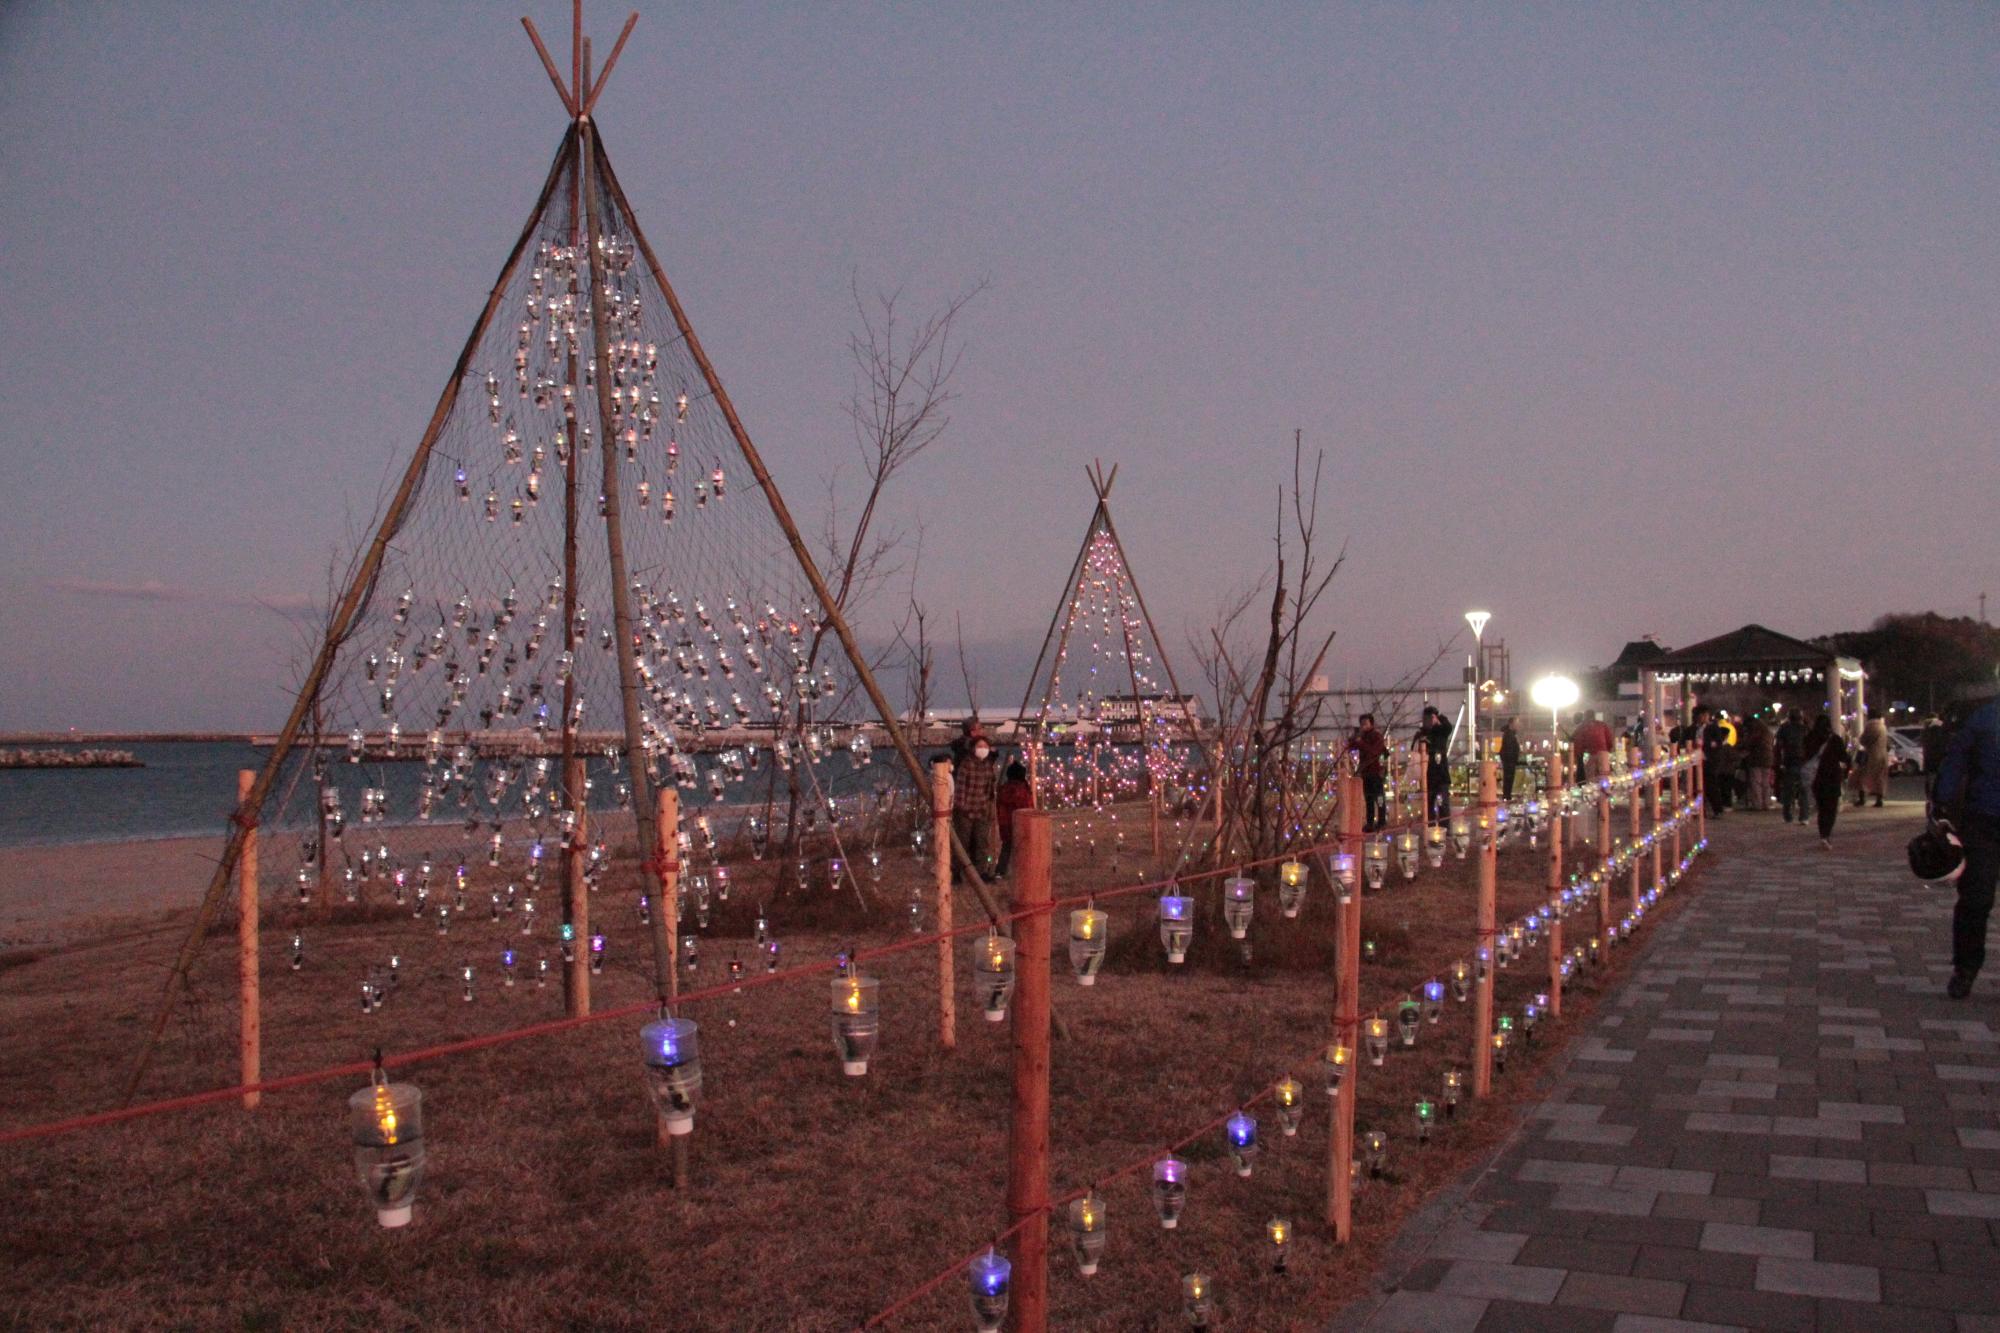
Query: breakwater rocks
point(26, 758)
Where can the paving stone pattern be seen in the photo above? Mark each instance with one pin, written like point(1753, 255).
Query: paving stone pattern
point(1777, 1122)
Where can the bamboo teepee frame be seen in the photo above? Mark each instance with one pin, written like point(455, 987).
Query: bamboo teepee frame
point(580, 159)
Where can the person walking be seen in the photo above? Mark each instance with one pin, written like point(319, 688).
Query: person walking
point(1826, 745)
point(1510, 758)
point(1760, 753)
point(1874, 761)
point(1968, 799)
point(975, 775)
point(1015, 795)
point(1367, 746)
point(1592, 739)
point(1790, 747)
point(1435, 735)
point(1716, 737)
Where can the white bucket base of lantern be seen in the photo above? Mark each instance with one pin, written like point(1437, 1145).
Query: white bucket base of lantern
point(853, 1066)
point(1090, 980)
point(680, 1124)
point(396, 1217)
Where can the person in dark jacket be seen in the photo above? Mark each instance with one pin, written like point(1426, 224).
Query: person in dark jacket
point(1759, 756)
point(1827, 750)
point(1510, 758)
point(1368, 745)
point(1015, 794)
point(1790, 747)
point(1435, 733)
point(975, 776)
point(1718, 763)
point(1968, 798)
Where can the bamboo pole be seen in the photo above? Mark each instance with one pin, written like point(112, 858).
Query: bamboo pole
point(779, 511)
point(250, 807)
point(1346, 1020)
point(576, 899)
point(1551, 801)
point(1600, 769)
point(1678, 775)
point(1653, 786)
point(1482, 1009)
point(667, 858)
point(1698, 776)
point(941, 791)
point(1632, 832)
point(614, 539)
point(1028, 1131)
point(250, 1036)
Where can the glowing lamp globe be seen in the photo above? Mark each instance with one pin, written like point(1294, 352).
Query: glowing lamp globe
point(672, 1051)
point(388, 1124)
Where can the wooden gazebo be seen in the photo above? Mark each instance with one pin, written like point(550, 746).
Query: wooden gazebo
point(1753, 656)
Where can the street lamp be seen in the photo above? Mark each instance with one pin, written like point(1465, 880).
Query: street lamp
point(1476, 619)
point(1554, 693)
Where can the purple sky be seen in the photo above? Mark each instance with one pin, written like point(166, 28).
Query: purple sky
point(1615, 319)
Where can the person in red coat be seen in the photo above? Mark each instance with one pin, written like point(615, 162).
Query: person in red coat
point(1368, 745)
point(1591, 739)
point(1014, 794)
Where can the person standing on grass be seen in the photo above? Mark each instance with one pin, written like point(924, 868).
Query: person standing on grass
point(1367, 746)
point(1435, 735)
point(1968, 799)
point(1790, 747)
point(1826, 746)
point(1510, 758)
point(1015, 795)
point(975, 776)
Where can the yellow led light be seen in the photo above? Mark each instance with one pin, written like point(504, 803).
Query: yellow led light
point(385, 1113)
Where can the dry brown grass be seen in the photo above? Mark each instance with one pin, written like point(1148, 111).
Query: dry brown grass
point(816, 1198)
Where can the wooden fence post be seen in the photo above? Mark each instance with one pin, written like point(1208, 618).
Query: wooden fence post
point(1346, 1017)
point(667, 858)
point(1551, 803)
point(1698, 773)
point(1600, 771)
point(576, 911)
point(941, 862)
point(1659, 853)
point(1677, 775)
point(1632, 829)
point(1028, 1137)
point(1482, 1010)
point(250, 1037)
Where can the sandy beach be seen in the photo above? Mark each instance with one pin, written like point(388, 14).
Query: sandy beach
point(50, 895)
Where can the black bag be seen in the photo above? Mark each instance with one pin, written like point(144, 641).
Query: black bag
point(1936, 855)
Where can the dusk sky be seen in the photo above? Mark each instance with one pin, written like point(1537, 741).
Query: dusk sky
point(1614, 319)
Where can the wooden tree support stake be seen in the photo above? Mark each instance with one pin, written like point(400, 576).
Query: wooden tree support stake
point(1028, 1131)
point(941, 792)
point(250, 1037)
point(1346, 1020)
point(1483, 961)
point(1551, 798)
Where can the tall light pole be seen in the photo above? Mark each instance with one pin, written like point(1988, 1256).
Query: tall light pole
point(1476, 619)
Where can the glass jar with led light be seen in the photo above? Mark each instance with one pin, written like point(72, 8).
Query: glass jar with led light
point(1088, 931)
point(1197, 1300)
point(672, 1052)
point(1461, 980)
point(1434, 845)
point(1485, 824)
point(1086, 1231)
point(387, 1120)
point(1169, 1190)
point(1239, 903)
point(1454, 1089)
point(1291, 887)
point(1433, 1002)
point(989, 1277)
point(1375, 1152)
point(1375, 862)
point(1278, 1235)
point(1408, 849)
point(1239, 1135)
point(1461, 834)
point(1176, 925)
point(1426, 1117)
point(1333, 1065)
point(1375, 1035)
point(993, 973)
point(1408, 1015)
point(1500, 1044)
point(857, 1020)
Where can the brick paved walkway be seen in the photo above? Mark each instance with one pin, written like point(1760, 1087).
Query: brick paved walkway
point(1777, 1123)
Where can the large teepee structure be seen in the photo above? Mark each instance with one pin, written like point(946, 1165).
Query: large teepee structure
point(1105, 716)
point(586, 579)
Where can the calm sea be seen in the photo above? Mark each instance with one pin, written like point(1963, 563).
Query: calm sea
point(188, 789)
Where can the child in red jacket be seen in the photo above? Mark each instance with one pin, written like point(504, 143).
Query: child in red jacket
point(1014, 794)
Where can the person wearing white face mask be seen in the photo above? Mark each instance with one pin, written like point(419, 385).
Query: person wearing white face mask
point(975, 778)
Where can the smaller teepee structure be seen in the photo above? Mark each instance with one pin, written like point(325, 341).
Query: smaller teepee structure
point(1104, 716)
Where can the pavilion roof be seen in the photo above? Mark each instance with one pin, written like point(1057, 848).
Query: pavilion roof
point(1751, 648)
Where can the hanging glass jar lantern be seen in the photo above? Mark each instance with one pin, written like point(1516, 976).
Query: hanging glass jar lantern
point(1375, 1032)
point(1286, 1095)
point(1461, 835)
point(989, 1277)
point(1426, 1114)
point(1340, 869)
point(388, 1124)
point(1407, 851)
point(1434, 839)
point(1433, 1000)
point(1375, 1152)
point(1291, 887)
point(1333, 1066)
point(1086, 1231)
point(1239, 902)
point(1239, 1133)
point(1169, 1190)
point(993, 968)
point(1278, 1232)
point(1376, 862)
point(1408, 1015)
point(1500, 1044)
point(857, 1019)
point(1454, 1089)
point(1176, 925)
point(672, 1051)
point(1197, 1299)
point(1531, 1013)
point(1461, 980)
point(1088, 929)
